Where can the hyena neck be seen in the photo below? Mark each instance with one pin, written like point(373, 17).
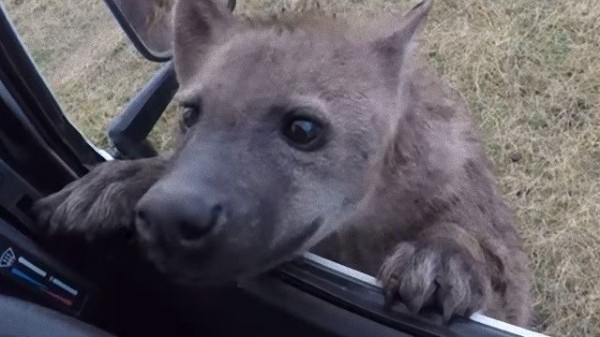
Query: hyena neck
point(421, 179)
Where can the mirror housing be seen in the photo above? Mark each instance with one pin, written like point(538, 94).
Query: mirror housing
point(148, 25)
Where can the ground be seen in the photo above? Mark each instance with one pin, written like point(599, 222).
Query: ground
point(530, 71)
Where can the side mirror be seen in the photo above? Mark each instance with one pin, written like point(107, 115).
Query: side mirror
point(147, 23)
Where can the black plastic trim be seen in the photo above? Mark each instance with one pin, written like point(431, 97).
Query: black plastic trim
point(129, 129)
point(362, 299)
point(132, 35)
point(23, 82)
point(24, 246)
point(315, 311)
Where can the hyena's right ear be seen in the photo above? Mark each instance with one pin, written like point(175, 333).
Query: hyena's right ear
point(197, 24)
point(397, 49)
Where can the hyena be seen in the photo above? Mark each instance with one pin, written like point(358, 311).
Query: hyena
point(313, 135)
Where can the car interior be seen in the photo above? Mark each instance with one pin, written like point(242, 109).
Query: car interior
point(49, 288)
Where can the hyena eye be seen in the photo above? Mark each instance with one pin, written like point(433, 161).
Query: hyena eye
point(304, 133)
point(191, 113)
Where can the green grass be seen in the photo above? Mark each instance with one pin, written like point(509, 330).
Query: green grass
point(530, 71)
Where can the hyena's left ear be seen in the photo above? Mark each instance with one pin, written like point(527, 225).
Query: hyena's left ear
point(197, 25)
point(396, 49)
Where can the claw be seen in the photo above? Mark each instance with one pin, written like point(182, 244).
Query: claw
point(420, 298)
point(426, 275)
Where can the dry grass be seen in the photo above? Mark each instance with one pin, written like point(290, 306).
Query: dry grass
point(530, 70)
point(85, 58)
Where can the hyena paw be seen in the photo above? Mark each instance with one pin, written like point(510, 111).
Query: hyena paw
point(99, 204)
point(424, 275)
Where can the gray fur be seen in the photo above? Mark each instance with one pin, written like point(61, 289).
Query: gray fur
point(101, 202)
point(402, 189)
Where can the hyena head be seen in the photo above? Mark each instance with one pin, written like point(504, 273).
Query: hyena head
point(285, 128)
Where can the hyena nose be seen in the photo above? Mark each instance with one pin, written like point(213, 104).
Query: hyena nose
point(179, 216)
